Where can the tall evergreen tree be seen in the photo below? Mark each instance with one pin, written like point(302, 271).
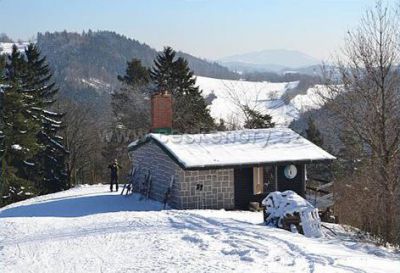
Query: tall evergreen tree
point(256, 120)
point(33, 157)
point(174, 75)
point(20, 131)
point(52, 155)
point(162, 73)
point(313, 134)
point(136, 75)
point(2, 67)
point(131, 111)
point(318, 171)
point(128, 103)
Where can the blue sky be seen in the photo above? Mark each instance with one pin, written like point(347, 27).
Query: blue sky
point(205, 28)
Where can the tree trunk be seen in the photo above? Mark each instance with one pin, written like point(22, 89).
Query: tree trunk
point(389, 213)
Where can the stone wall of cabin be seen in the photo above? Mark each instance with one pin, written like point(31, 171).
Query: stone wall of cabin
point(151, 157)
point(217, 189)
point(218, 185)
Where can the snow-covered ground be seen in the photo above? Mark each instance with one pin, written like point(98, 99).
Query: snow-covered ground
point(95, 83)
point(313, 99)
point(266, 97)
point(6, 48)
point(88, 229)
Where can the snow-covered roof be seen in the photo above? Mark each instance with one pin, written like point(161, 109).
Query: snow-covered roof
point(241, 147)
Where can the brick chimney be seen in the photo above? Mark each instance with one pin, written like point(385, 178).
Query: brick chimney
point(161, 113)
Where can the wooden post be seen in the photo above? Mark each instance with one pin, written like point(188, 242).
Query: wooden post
point(303, 180)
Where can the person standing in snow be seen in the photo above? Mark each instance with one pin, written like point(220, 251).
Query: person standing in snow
point(114, 169)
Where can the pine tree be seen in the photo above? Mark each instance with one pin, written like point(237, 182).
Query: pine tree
point(191, 112)
point(131, 111)
point(136, 74)
point(313, 134)
point(221, 126)
point(50, 169)
point(190, 109)
point(33, 157)
point(128, 103)
point(20, 131)
point(256, 120)
point(2, 67)
point(162, 73)
point(318, 171)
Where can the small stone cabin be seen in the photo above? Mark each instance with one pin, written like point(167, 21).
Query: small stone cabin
point(222, 170)
point(226, 170)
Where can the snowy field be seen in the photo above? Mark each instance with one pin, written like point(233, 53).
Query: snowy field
point(266, 97)
point(6, 48)
point(89, 229)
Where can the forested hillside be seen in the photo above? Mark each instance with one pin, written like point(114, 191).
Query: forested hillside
point(87, 65)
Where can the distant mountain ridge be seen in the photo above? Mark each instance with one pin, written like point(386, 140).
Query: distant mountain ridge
point(276, 60)
point(114, 50)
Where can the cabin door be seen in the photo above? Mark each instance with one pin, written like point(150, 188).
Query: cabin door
point(243, 178)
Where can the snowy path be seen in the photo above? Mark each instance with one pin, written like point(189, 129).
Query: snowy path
point(91, 230)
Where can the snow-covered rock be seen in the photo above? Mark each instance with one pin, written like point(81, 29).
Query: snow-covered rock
point(279, 205)
point(16, 147)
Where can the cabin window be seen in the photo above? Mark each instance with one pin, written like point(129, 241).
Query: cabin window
point(258, 180)
point(269, 179)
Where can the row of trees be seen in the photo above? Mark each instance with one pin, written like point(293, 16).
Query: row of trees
point(32, 154)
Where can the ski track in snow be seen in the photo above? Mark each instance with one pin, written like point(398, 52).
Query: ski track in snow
point(140, 237)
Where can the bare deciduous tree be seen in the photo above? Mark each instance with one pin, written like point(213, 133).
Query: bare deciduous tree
point(131, 107)
point(363, 93)
point(82, 141)
point(243, 100)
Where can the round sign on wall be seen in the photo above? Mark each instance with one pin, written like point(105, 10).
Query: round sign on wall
point(290, 171)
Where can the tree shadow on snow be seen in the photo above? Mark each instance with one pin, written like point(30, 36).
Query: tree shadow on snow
point(82, 206)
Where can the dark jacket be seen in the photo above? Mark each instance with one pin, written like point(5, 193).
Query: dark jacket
point(114, 169)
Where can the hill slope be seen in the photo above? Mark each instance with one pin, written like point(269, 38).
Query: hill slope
point(280, 100)
point(269, 60)
point(88, 229)
point(86, 65)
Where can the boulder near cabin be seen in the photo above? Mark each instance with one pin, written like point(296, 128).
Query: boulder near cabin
point(222, 170)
